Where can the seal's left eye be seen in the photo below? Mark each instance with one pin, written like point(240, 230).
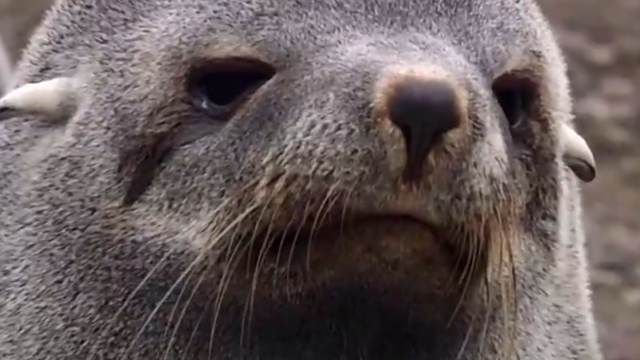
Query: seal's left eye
point(516, 95)
point(219, 86)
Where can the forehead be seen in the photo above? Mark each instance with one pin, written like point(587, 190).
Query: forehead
point(480, 29)
point(387, 13)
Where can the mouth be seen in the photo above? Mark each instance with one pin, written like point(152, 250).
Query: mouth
point(350, 246)
point(352, 282)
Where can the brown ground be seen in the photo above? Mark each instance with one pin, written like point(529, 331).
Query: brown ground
point(602, 42)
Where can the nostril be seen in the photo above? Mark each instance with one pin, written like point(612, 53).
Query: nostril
point(423, 110)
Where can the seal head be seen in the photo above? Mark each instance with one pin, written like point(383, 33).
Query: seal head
point(284, 179)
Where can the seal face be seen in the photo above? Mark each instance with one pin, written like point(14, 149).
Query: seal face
point(287, 180)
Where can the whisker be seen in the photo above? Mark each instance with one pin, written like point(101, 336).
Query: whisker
point(266, 244)
point(469, 252)
point(175, 306)
point(182, 314)
point(488, 307)
point(467, 338)
point(197, 325)
point(317, 222)
point(230, 265)
point(184, 274)
point(454, 277)
point(280, 246)
point(243, 249)
point(295, 240)
point(464, 277)
point(117, 314)
point(345, 208)
point(256, 230)
point(514, 292)
point(254, 236)
point(505, 295)
point(110, 323)
point(247, 312)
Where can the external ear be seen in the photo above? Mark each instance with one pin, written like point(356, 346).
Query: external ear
point(577, 154)
point(55, 99)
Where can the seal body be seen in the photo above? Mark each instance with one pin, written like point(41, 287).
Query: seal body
point(293, 180)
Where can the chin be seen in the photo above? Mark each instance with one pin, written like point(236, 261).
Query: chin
point(379, 287)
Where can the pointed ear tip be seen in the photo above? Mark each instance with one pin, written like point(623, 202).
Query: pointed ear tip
point(591, 171)
point(590, 176)
point(585, 172)
point(591, 167)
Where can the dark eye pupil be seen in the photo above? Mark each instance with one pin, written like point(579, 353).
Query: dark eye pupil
point(512, 104)
point(223, 88)
point(515, 95)
point(219, 86)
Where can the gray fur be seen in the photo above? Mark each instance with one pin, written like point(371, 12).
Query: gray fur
point(73, 249)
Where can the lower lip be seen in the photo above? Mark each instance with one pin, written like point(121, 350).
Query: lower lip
point(380, 236)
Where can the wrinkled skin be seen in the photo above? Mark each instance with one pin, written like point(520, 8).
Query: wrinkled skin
point(281, 231)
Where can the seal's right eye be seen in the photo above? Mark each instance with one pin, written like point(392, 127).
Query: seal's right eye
point(516, 94)
point(219, 86)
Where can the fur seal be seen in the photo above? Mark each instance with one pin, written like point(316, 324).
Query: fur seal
point(293, 180)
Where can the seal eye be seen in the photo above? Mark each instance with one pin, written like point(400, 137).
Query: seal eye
point(515, 93)
point(219, 86)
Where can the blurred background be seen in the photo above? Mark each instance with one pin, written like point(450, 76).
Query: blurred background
point(601, 39)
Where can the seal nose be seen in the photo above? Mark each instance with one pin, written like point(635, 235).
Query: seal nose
point(423, 110)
